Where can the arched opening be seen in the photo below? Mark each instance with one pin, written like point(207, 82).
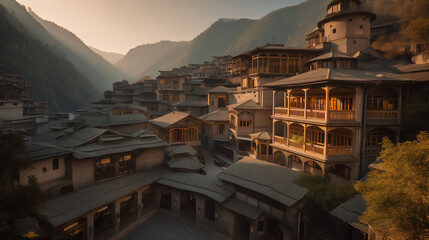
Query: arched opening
point(341, 103)
point(313, 168)
point(296, 135)
point(375, 137)
point(341, 170)
point(315, 139)
point(316, 99)
point(383, 98)
point(279, 129)
point(340, 142)
point(297, 98)
point(295, 163)
point(279, 99)
point(280, 158)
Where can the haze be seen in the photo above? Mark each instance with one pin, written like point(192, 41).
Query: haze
point(119, 25)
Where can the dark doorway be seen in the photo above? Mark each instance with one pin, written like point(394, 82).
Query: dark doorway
point(210, 209)
point(129, 210)
point(242, 227)
point(165, 201)
point(273, 230)
point(148, 200)
point(188, 205)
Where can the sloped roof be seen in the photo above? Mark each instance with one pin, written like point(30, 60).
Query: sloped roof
point(324, 75)
point(247, 104)
point(102, 120)
point(65, 208)
point(220, 115)
point(265, 178)
point(221, 89)
point(350, 211)
point(191, 103)
point(171, 118)
point(243, 208)
point(36, 152)
point(189, 163)
point(331, 55)
point(261, 135)
point(202, 184)
point(180, 149)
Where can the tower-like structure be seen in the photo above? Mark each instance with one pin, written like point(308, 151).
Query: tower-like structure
point(346, 26)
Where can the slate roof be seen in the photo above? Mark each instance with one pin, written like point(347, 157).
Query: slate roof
point(331, 55)
point(243, 208)
point(93, 142)
point(350, 211)
point(70, 206)
point(102, 120)
point(261, 135)
point(221, 89)
point(191, 103)
point(171, 118)
point(188, 163)
point(325, 75)
point(220, 115)
point(265, 178)
point(36, 152)
point(180, 149)
point(247, 104)
point(202, 184)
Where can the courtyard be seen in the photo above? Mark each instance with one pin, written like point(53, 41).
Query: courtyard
point(164, 226)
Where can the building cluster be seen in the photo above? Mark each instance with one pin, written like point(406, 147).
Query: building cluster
point(17, 109)
point(269, 115)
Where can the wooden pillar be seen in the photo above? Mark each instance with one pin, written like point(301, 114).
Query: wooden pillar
point(257, 63)
point(287, 64)
point(305, 135)
point(326, 103)
point(284, 130)
point(285, 99)
point(288, 134)
point(288, 102)
point(325, 146)
point(305, 103)
point(274, 101)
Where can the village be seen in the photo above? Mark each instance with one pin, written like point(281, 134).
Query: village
point(222, 143)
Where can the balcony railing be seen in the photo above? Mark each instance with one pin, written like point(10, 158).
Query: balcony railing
point(320, 114)
point(296, 144)
point(372, 150)
point(341, 115)
point(339, 151)
point(280, 110)
point(314, 148)
point(382, 113)
point(297, 112)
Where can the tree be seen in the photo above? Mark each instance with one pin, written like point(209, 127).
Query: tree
point(398, 196)
point(12, 149)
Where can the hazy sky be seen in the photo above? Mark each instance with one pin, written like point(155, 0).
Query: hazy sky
point(119, 25)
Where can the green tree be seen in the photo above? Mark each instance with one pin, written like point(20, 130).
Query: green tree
point(398, 196)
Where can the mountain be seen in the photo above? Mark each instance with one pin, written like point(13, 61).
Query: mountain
point(111, 57)
point(148, 59)
point(288, 25)
point(62, 42)
point(53, 77)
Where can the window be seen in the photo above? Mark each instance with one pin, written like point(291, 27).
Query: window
point(334, 30)
point(261, 226)
point(350, 20)
point(165, 98)
point(104, 169)
point(361, 27)
point(175, 98)
point(263, 149)
point(210, 211)
point(55, 164)
point(212, 103)
point(245, 123)
point(44, 170)
point(221, 128)
point(126, 164)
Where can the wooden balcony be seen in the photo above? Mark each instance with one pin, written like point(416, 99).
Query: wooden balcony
point(314, 148)
point(280, 111)
point(342, 115)
point(296, 144)
point(339, 151)
point(296, 112)
point(318, 114)
point(382, 113)
point(372, 150)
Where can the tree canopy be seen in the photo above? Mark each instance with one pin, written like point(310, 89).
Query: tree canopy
point(398, 196)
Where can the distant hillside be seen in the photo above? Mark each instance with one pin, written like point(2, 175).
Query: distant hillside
point(111, 57)
point(148, 59)
point(54, 79)
point(287, 25)
point(62, 42)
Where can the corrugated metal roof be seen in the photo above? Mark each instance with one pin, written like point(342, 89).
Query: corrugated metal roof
point(350, 211)
point(265, 178)
point(202, 184)
point(70, 206)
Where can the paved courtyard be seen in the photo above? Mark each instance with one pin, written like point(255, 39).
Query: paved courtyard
point(163, 226)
